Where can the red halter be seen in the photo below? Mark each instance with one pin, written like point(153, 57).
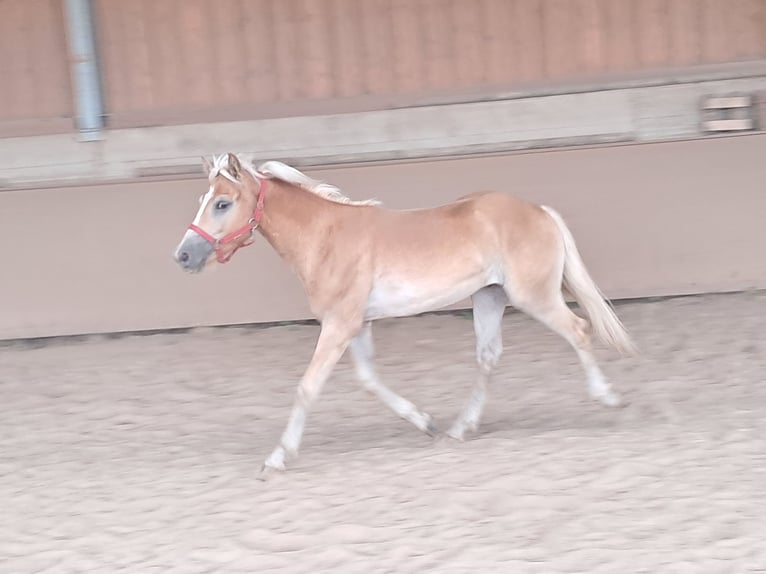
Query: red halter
point(247, 229)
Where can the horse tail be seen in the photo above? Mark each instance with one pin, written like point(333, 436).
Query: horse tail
point(604, 322)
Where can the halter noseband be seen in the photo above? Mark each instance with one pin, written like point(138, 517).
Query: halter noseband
point(247, 229)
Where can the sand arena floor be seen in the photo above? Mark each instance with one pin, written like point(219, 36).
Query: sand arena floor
point(140, 454)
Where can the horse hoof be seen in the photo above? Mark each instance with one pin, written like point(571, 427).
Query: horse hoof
point(609, 398)
point(269, 470)
point(622, 403)
point(613, 400)
point(457, 435)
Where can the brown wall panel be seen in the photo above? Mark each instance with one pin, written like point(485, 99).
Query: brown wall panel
point(469, 41)
point(527, 35)
point(592, 21)
point(195, 60)
point(621, 43)
point(376, 25)
point(494, 44)
point(246, 58)
point(35, 96)
point(407, 39)
point(229, 73)
point(287, 47)
point(559, 38)
point(653, 23)
point(684, 24)
point(197, 50)
point(749, 24)
point(255, 39)
point(315, 29)
point(438, 51)
point(166, 72)
point(716, 32)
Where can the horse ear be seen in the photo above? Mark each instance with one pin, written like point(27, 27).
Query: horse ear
point(235, 168)
point(206, 165)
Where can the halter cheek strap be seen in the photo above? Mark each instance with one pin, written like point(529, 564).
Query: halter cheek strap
point(247, 229)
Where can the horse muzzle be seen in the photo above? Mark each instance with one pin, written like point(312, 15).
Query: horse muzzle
point(193, 252)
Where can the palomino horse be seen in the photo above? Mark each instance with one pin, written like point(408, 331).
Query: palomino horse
point(359, 262)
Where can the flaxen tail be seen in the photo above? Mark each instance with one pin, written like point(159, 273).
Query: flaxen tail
point(604, 322)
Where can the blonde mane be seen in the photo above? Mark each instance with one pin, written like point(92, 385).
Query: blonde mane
point(283, 172)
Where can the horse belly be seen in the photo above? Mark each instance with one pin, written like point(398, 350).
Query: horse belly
point(399, 298)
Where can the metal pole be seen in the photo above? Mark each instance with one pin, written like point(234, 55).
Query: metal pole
point(89, 104)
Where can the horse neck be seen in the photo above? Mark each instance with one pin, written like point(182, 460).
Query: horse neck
point(293, 223)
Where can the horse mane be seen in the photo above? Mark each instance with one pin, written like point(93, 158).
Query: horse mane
point(283, 172)
point(280, 171)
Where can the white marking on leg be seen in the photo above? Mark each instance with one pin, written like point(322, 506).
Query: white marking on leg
point(554, 313)
point(330, 347)
point(276, 460)
point(559, 318)
point(598, 387)
point(362, 352)
point(471, 414)
point(488, 306)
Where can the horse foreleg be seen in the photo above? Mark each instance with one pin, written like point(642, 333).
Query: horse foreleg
point(362, 352)
point(330, 347)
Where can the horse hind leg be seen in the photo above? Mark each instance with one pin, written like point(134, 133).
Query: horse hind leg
point(488, 307)
point(552, 311)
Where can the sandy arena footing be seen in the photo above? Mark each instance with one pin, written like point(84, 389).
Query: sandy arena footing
point(140, 454)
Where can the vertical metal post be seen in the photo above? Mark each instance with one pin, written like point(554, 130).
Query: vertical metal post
point(89, 105)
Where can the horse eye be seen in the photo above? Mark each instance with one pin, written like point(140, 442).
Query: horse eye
point(222, 204)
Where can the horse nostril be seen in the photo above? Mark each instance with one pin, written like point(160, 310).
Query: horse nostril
point(183, 257)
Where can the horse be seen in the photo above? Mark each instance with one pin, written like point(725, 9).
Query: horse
point(359, 261)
